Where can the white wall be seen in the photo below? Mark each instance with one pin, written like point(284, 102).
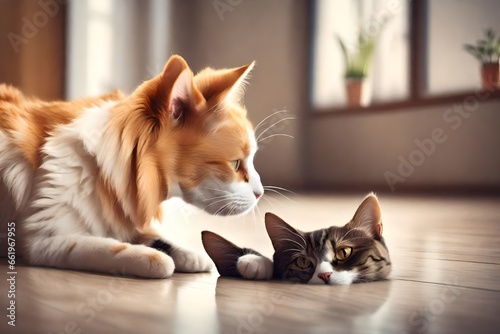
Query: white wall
point(274, 34)
point(356, 151)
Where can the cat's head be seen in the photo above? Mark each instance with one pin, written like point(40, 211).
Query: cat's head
point(205, 142)
point(355, 252)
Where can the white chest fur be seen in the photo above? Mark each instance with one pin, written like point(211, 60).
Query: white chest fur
point(65, 200)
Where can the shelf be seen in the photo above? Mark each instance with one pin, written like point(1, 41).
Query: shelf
point(479, 95)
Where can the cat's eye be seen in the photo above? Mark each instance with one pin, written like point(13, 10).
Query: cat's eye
point(235, 164)
point(343, 253)
point(303, 263)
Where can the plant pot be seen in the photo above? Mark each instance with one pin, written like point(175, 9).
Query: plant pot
point(354, 90)
point(489, 75)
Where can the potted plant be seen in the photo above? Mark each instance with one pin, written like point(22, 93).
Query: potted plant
point(357, 61)
point(487, 51)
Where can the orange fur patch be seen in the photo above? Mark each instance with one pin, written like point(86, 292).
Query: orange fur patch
point(29, 121)
point(70, 249)
point(109, 199)
point(118, 248)
point(156, 257)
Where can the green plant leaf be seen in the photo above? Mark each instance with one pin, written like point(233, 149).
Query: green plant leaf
point(473, 51)
point(345, 53)
point(469, 48)
point(486, 50)
point(497, 47)
point(490, 35)
point(358, 60)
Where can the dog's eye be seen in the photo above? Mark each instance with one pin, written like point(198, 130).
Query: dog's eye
point(235, 164)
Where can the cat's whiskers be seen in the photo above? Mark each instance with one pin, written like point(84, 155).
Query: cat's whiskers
point(358, 238)
point(242, 202)
point(228, 199)
point(275, 135)
point(268, 200)
point(265, 119)
point(222, 208)
point(293, 250)
point(294, 233)
point(228, 196)
point(354, 229)
point(275, 202)
point(256, 211)
point(345, 234)
point(233, 210)
point(215, 189)
point(273, 125)
point(293, 241)
point(234, 204)
point(279, 193)
point(281, 188)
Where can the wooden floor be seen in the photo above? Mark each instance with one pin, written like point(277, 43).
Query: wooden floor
point(446, 279)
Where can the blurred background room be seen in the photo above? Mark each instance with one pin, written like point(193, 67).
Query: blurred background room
point(421, 122)
point(399, 97)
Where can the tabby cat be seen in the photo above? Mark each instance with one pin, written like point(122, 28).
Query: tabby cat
point(355, 252)
point(84, 179)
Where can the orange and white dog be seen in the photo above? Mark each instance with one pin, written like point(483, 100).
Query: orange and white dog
point(85, 178)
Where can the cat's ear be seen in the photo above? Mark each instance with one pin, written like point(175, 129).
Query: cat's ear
point(283, 236)
point(368, 216)
point(177, 84)
point(226, 84)
point(223, 252)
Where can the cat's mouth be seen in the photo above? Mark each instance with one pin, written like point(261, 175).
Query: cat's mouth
point(334, 278)
point(220, 200)
point(231, 208)
point(325, 273)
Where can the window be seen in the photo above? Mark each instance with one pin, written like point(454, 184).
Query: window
point(419, 56)
point(388, 75)
point(451, 24)
point(115, 44)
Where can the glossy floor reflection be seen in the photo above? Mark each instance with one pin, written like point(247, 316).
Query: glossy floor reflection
point(446, 279)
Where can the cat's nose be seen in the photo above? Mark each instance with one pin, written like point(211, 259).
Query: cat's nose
point(257, 194)
point(325, 277)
